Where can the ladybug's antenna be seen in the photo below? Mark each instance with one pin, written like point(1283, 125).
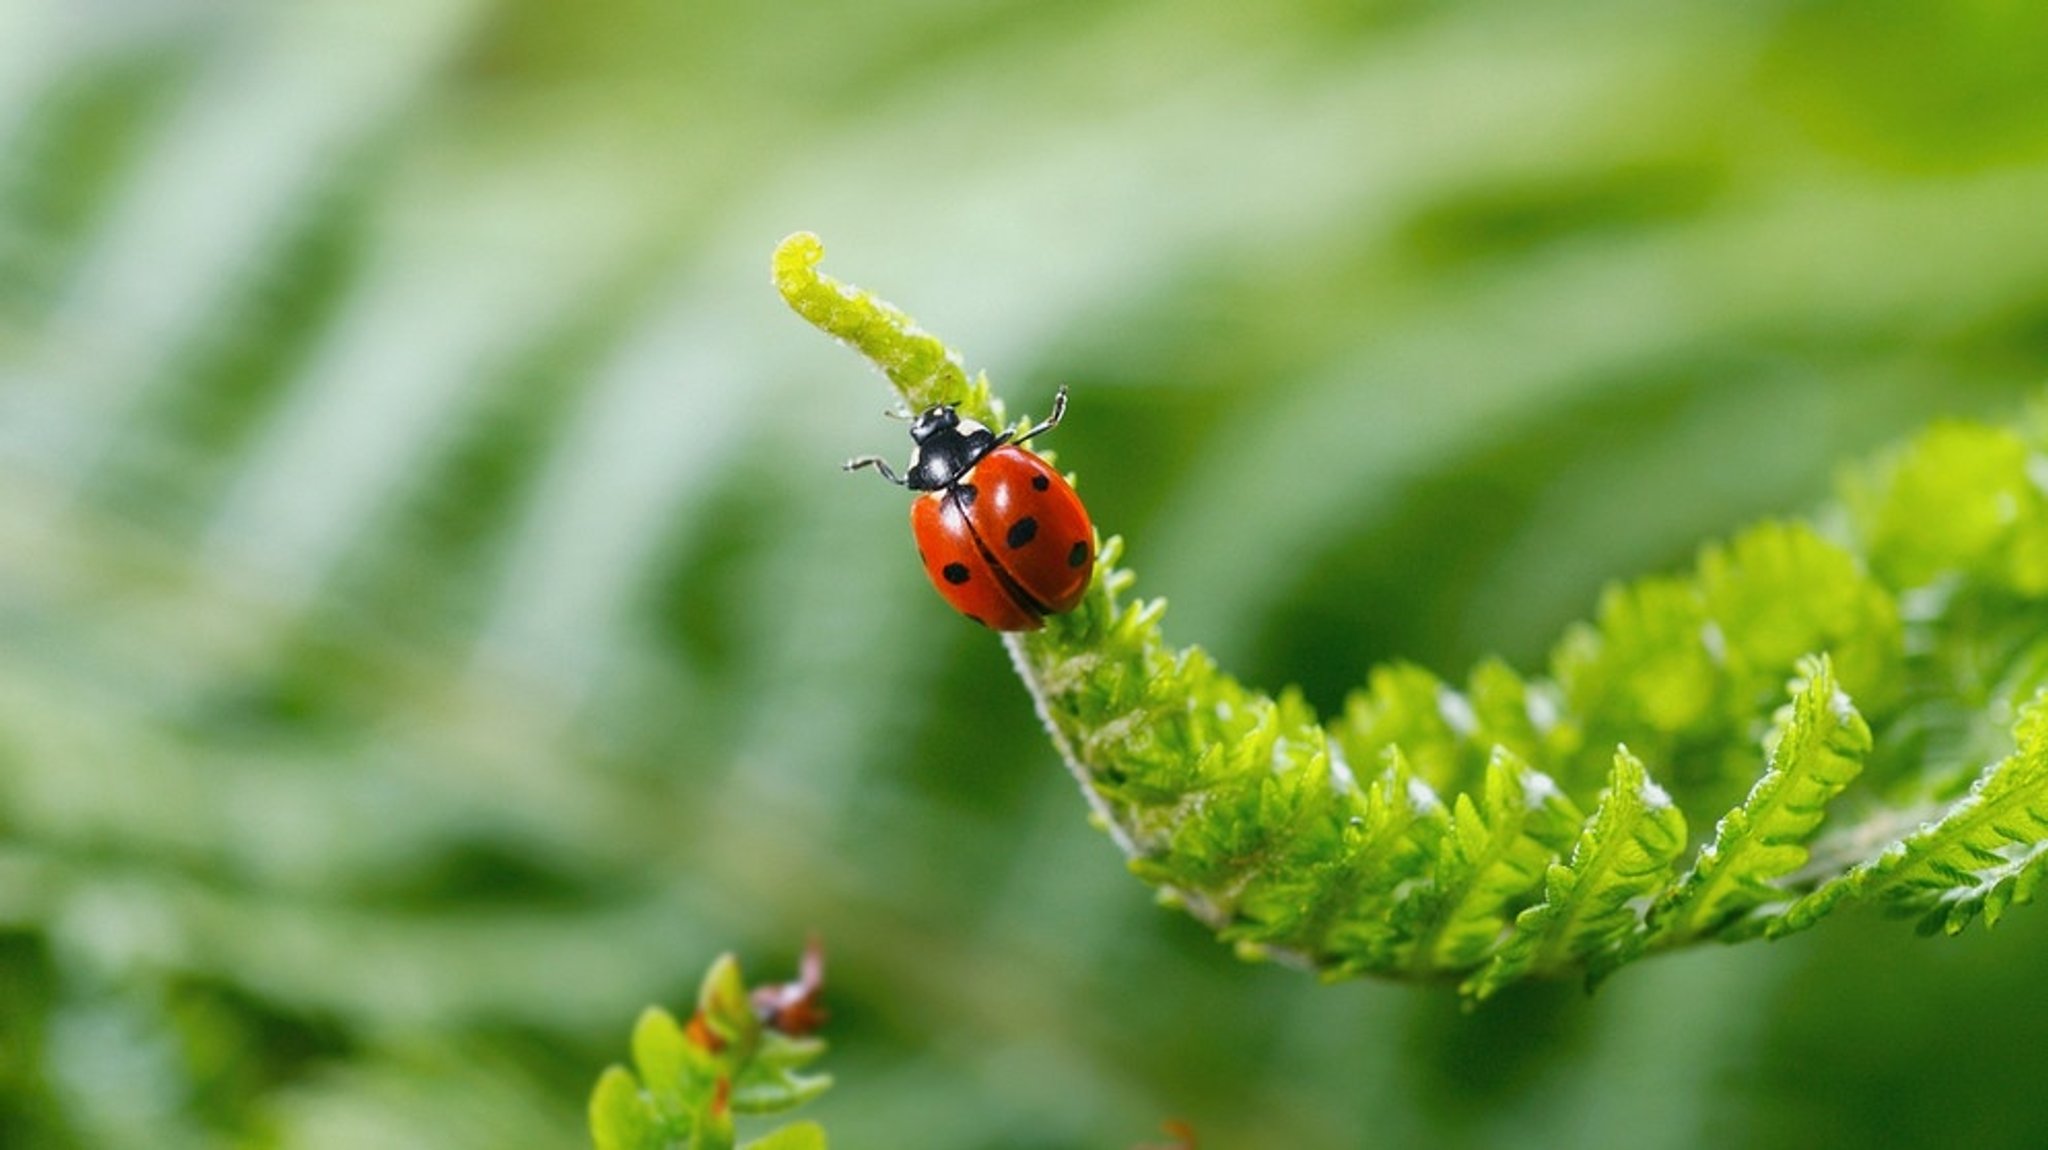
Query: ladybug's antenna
point(1059, 412)
point(876, 462)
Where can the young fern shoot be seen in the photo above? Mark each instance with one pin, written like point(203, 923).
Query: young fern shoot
point(1636, 796)
point(741, 1053)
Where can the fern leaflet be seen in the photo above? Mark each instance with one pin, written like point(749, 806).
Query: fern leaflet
point(1591, 909)
point(1985, 854)
point(1819, 745)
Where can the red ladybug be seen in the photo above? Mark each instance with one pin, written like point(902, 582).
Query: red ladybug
point(1002, 536)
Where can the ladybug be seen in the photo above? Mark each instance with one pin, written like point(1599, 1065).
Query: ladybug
point(1002, 535)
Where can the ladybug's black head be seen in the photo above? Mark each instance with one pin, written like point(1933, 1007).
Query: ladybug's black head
point(947, 447)
point(934, 420)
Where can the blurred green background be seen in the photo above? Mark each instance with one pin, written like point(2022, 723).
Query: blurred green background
point(433, 624)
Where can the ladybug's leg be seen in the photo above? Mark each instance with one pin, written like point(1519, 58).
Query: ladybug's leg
point(1059, 412)
point(879, 464)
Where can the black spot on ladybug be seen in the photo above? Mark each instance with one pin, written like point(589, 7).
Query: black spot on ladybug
point(967, 494)
point(955, 573)
point(1021, 532)
point(1079, 554)
point(1040, 483)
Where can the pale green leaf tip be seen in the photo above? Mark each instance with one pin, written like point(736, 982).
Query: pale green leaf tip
point(795, 261)
point(923, 370)
point(659, 1049)
point(619, 1117)
point(723, 997)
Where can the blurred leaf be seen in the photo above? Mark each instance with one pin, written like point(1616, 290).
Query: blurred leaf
point(801, 1136)
point(422, 566)
point(619, 1118)
point(694, 1078)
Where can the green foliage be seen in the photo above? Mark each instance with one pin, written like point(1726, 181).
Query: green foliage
point(1982, 856)
point(1590, 914)
point(1818, 749)
point(1961, 500)
point(689, 1081)
point(429, 606)
point(1243, 809)
point(1497, 851)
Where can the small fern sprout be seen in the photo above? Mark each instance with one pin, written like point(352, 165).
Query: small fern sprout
point(740, 1053)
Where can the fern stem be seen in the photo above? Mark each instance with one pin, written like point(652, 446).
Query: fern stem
point(1104, 814)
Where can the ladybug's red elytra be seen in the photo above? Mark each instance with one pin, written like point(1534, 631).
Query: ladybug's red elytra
point(1002, 535)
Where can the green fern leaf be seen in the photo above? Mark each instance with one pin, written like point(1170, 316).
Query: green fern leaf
point(1521, 717)
point(1379, 885)
point(620, 1117)
point(1407, 706)
point(1317, 862)
point(1981, 857)
point(676, 1074)
point(1461, 857)
point(1590, 910)
point(1779, 592)
point(1818, 749)
point(770, 1085)
point(1960, 500)
point(1648, 665)
point(1496, 856)
point(1448, 736)
point(770, 1082)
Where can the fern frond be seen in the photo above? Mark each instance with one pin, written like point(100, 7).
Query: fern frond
point(1591, 913)
point(1959, 501)
point(1981, 857)
point(1335, 891)
point(1498, 852)
point(1779, 592)
point(1462, 852)
point(1818, 749)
